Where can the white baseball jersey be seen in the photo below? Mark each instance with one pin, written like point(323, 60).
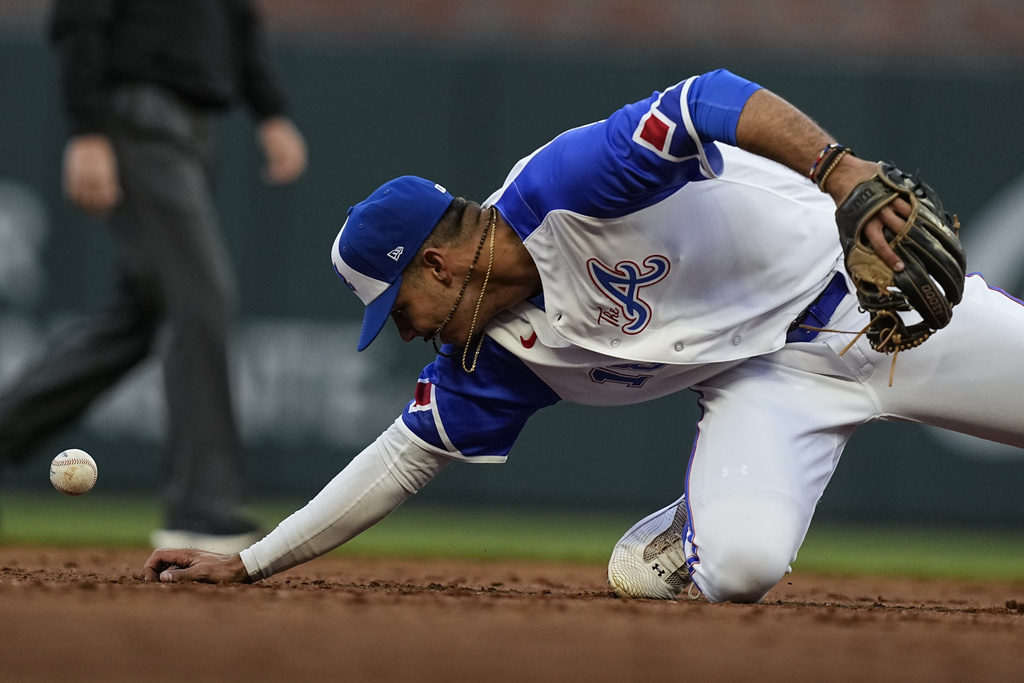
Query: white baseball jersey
point(669, 260)
point(663, 262)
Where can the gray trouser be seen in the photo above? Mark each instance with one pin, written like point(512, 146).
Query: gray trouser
point(174, 296)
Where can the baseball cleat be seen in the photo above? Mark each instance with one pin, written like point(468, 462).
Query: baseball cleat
point(227, 544)
point(648, 561)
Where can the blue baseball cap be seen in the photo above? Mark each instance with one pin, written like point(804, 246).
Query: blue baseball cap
point(379, 239)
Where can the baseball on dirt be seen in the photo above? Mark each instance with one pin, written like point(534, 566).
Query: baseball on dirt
point(73, 472)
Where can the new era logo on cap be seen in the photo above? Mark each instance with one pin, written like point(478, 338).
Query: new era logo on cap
point(379, 239)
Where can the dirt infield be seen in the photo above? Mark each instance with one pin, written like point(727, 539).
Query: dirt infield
point(86, 615)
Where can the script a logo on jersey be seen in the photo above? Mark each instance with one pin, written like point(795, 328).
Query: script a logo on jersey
point(622, 284)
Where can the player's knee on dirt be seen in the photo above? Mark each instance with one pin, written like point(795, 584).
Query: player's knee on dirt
point(741, 573)
point(744, 552)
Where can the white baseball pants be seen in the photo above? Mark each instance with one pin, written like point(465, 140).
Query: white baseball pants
point(774, 427)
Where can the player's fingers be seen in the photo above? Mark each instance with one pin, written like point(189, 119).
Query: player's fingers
point(901, 207)
point(164, 558)
point(168, 565)
point(876, 238)
point(180, 574)
point(893, 216)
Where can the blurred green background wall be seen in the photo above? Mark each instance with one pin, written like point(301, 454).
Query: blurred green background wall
point(462, 112)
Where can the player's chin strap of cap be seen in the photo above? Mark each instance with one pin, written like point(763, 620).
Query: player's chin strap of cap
point(816, 316)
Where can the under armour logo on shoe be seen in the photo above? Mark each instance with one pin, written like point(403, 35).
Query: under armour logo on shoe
point(657, 569)
point(395, 253)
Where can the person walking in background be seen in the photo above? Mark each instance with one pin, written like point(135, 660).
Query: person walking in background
point(142, 81)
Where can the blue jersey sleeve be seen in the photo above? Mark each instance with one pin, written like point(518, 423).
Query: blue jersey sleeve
point(635, 158)
point(716, 100)
point(477, 415)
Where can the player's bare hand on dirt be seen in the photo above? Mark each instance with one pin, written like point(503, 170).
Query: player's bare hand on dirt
point(852, 171)
point(90, 174)
point(174, 565)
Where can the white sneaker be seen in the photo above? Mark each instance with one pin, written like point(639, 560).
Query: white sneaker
point(648, 561)
point(227, 544)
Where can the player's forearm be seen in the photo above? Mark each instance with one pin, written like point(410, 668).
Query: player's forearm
point(771, 127)
point(728, 108)
point(372, 486)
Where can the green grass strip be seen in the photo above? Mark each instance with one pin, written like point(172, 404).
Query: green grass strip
point(490, 534)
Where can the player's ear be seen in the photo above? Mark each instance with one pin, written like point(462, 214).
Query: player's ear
point(435, 264)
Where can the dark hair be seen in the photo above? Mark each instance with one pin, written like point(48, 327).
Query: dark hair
point(448, 230)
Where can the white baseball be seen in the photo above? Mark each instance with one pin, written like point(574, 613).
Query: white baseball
point(73, 472)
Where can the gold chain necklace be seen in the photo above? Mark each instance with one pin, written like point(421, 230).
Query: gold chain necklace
point(491, 227)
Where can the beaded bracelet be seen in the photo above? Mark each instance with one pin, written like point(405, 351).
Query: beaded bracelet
point(821, 155)
point(831, 167)
point(826, 162)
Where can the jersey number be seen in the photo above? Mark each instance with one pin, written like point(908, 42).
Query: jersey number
point(614, 374)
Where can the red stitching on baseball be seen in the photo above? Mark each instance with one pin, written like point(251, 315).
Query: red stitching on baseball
point(77, 461)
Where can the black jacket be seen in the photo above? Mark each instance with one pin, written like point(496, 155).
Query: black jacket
point(210, 52)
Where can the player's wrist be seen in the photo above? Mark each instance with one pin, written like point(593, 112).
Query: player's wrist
point(848, 172)
point(239, 572)
point(250, 569)
point(827, 161)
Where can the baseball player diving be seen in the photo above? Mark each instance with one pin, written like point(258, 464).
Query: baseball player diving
point(688, 241)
